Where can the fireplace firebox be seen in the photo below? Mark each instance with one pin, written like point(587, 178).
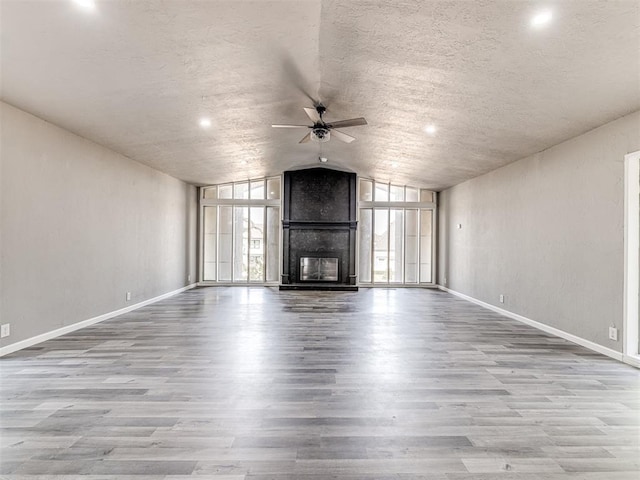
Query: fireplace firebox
point(314, 269)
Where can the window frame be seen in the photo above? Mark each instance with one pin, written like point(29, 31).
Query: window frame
point(239, 202)
point(393, 205)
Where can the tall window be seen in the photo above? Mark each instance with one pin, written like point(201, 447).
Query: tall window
point(395, 234)
point(241, 232)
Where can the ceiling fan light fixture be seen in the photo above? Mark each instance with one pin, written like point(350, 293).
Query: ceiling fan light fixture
point(320, 135)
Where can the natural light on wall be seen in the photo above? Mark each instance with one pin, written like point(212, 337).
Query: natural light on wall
point(395, 234)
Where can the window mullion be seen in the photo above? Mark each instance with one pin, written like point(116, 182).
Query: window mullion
point(264, 240)
point(248, 257)
point(388, 244)
point(419, 240)
point(373, 245)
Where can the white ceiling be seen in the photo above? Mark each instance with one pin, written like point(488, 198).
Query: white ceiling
point(136, 76)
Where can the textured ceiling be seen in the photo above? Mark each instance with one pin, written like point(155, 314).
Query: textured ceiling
point(136, 76)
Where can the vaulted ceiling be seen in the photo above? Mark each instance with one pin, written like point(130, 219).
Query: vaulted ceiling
point(137, 77)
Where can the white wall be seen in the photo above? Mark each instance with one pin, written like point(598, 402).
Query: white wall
point(547, 232)
point(81, 225)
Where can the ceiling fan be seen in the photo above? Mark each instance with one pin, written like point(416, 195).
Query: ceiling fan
point(321, 131)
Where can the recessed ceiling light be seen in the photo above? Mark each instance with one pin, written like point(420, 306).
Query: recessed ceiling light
point(323, 159)
point(205, 122)
point(541, 18)
point(430, 129)
point(394, 164)
point(88, 4)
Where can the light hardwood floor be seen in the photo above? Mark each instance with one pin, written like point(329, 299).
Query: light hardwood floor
point(257, 384)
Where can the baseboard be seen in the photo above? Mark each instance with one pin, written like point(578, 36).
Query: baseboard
point(634, 361)
point(548, 329)
point(14, 347)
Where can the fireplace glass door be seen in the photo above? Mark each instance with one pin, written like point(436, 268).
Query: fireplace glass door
point(313, 269)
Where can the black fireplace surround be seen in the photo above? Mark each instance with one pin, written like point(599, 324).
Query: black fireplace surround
point(319, 222)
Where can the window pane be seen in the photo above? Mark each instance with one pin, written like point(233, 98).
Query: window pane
point(411, 246)
point(396, 193)
point(225, 191)
point(210, 192)
point(426, 229)
point(241, 190)
point(257, 190)
point(273, 188)
point(225, 245)
point(240, 243)
point(273, 244)
point(426, 196)
point(412, 194)
point(256, 245)
point(364, 229)
point(396, 257)
point(381, 246)
point(382, 192)
point(366, 190)
point(209, 247)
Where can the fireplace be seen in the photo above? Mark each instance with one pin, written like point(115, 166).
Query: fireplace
point(319, 230)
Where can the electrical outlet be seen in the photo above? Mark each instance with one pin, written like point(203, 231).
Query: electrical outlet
point(613, 333)
point(501, 298)
point(5, 330)
point(128, 296)
point(459, 226)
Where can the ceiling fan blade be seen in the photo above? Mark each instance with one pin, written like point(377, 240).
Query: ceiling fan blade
point(306, 138)
point(293, 76)
point(290, 126)
point(313, 114)
point(342, 136)
point(353, 122)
